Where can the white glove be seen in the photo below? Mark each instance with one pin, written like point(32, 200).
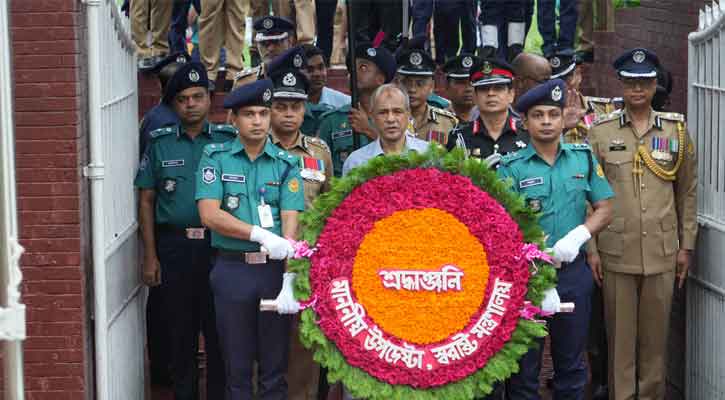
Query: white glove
point(567, 248)
point(286, 303)
point(551, 302)
point(278, 248)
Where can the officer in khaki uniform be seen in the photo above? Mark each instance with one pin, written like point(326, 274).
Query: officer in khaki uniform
point(650, 161)
point(272, 38)
point(415, 76)
point(288, 109)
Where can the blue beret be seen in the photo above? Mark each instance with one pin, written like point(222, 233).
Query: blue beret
point(460, 67)
point(293, 58)
point(180, 57)
point(257, 93)
point(491, 71)
point(188, 75)
point(290, 84)
point(637, 63)
point(380, 56)
point(551, 93)
point(272, 28)
point(415, 61)
point(561, 65)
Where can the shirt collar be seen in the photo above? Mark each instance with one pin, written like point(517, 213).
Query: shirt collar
point(298, 142)
point(654, 119)
point(478, 125)
point(530, 151)
point(269, 148)
point(205, 129)
point(377, 148)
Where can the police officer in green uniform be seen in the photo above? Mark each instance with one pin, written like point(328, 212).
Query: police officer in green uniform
point(177, 250)
point(557, 180)
point(249, 193)
point(347, 128)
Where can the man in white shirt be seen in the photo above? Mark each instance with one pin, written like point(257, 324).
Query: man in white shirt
point(316, 71)
point(390, 113)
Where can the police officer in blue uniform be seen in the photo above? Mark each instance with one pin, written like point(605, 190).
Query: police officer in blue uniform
point(557, 180)
point(249, 193)
point(162, 114)
point(177, 249)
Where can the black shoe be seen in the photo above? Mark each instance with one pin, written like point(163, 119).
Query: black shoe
point(513, 51)
point(600, 392)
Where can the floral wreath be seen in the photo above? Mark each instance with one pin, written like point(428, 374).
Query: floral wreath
point(422, 278)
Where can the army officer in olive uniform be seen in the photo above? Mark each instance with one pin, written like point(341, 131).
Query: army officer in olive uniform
point(496, 129)
point(650, 161)
point(249, 193)
point(177, 250)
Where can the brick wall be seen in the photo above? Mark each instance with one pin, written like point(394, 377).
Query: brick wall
point(51, 194)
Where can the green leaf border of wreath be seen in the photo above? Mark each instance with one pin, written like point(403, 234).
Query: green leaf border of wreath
point(499, 367)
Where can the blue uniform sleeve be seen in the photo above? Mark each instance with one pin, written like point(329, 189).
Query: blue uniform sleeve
point(145, 174)
point(292, 194)
point(600, 188)
point(208, 179)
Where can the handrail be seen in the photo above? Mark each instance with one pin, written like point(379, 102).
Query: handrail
point(710, 20)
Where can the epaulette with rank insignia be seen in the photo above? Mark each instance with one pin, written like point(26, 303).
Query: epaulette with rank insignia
point(671, 116)
point(344, 109)
point(210, 149)
point(224, 128)
point(510, 157)
point(164, 131)
point(313, 141)
point(287, 157)
point(613, 116)
point(445, 113)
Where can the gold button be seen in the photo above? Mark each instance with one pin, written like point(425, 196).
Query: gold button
point(644, 233)
point(641, 141)
point(642, 186)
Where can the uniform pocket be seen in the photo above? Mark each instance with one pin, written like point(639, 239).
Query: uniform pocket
point(611, 239)
point(669, 235)
point(235, 196)
point(538, 196)
point(618, 165)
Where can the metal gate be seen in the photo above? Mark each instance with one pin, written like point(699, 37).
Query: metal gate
point(705, 369)
point(118, 295)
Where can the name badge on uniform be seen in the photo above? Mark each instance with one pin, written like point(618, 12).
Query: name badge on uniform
point(531, 182)
point(234, 178)
point(172, 163)
point(312, 169)
point(341, 134)
point(617, 145)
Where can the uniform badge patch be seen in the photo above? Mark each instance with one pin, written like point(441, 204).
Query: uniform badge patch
point(531, 182)
point(268, 23)
point(600, 171)
point(169, 185)
point(297, 61)
point(289, 80)
point(467, 62)
point(293, 185)
point(555, 62)
point(487, 67)
point(638, 56)
point(208, 175)
point(416, 59)
point(520, 144)
point(194, 76)
point(267, 95)
point(534, 204)
point(232, 202)
point(372, 52)
point(556, 94)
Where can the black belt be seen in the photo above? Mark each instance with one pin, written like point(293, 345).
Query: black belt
point(192, 233)
point(247, 257)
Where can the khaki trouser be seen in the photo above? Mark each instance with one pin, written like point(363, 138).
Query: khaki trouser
point(302, 13)
point(339, 43)
point(221, 24)
point(303, 374)
point(637, 312)
point(155, 14)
